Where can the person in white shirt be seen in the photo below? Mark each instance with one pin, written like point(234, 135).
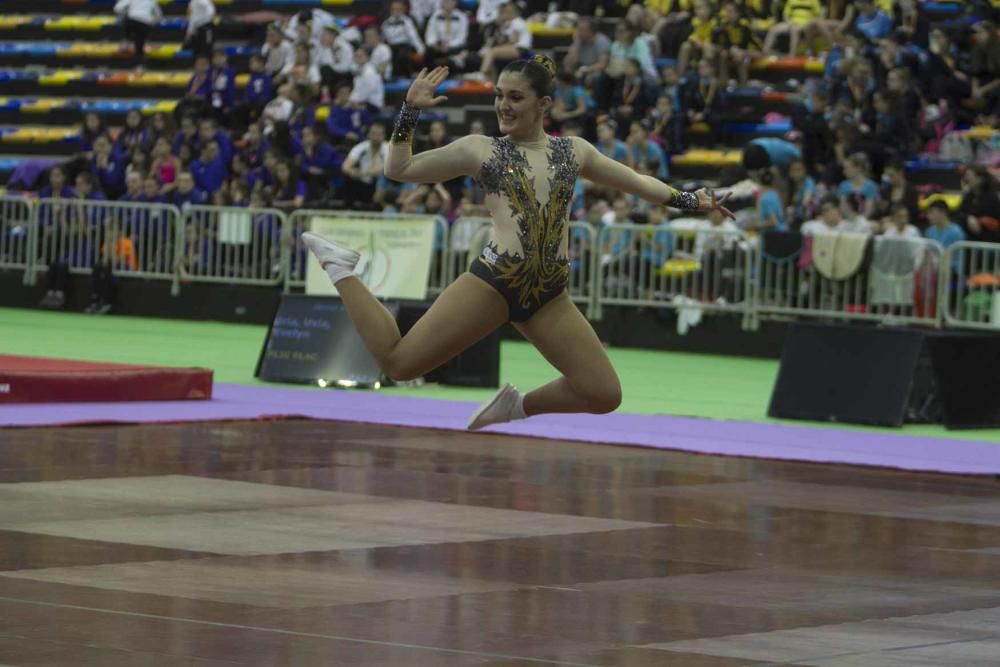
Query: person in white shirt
point(487, 15)
point(140, 16)
point(899, 225)
point(378, 52)
point(363, 167)
point(316, 19)
point(854, 220)
point(277, 53)
point(302, 69)
point(368, 86)
point(829, 222)
point(400, 33)
point(334, 57)
point(717, 234)
point(421, 10)
point(279, 110)
point(447, 34)
point(512, 41)
point(200, 35)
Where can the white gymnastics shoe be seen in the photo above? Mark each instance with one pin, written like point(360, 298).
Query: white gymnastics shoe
point(505, 405)
point(336, 260)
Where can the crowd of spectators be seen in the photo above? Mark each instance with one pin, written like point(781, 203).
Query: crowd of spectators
point(894, 87)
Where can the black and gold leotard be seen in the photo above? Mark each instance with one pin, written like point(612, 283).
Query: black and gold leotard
point(529, 188)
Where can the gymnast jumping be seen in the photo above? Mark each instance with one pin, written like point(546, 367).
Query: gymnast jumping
point(521, 276)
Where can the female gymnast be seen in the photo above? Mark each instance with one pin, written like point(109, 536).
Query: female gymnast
point(521, 276)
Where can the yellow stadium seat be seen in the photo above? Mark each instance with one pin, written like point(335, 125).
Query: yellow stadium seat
point(8, 22)
point(952, 199)
point(167, 106)
point(59, 78)
point(164, 51)
point(43, 106)
point(673, 268)
point(341, 3)
point(322, 114)
point(708, 158)
point(542, 30)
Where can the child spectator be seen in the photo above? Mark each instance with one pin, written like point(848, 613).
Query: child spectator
point(186, 193)
point(57, 186)
point(301, 69)
point(736, 42)
point(634, 96)
point(668, 126)
point(447, 34)
point(288, 191)
point(872, 22)
point(898, 225)
point(161, 125)
point(803, 197)
point(133, 135)
point(511, 41)
point(856, 181)
point(980, 208)
point(590, 52)
point(209, 170)
point(346, 122)
point(800, 18)
point(646, 155)
point(259, 91)
point(223, 85)
point(401, 34)
point(108, 168)
point(941, 228)
point(699, 42)
point(897, 191)
point(369, 89)
point(151, 191)
point(830, 220)
point(208, 130)
point(93, 127)
point(855, 221)
point(609, 145)
point(262, 178)
point(198, 94)
point(571, 101)
point(254, 146)
point(279, 110)
point(317, 161)
point(200, 34)
point(770, 212)
point(138, 163)
point(165, 165)
point(379, 54)
point(334, 58)
point(277, 53)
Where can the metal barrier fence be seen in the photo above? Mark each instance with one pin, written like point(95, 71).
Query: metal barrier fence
point(16, 233)
point(674, 266)
point(850, 277)
point(137, 240)
point(223, 244)
point(970, 285)
point(300, 221)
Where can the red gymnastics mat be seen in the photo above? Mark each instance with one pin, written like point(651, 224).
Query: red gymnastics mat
point(42, 380)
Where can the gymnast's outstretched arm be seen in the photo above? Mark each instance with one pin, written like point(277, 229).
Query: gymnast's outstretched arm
point(462, 157)
point(616, 176)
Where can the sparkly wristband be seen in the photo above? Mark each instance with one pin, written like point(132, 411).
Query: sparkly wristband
point(406, 122)
point(687, 201)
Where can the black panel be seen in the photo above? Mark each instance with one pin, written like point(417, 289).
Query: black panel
point(967, 367)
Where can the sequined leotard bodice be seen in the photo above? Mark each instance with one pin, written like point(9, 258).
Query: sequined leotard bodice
point(529, 189)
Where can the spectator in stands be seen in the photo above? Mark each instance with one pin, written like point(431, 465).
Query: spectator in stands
point(590, 52)
point(910, 19)
point(447, 35)
point(223, 98)
point(133, 188)
point(346, 122)
point(308, 24)
point(133, 134)
point(277, 52)
point(872, 22)
point(715, 235)
point(703, 96)
point(93, 127)
point(671, 24)
point(770, 212)
point(151, 190)
point(401, 34)
point(209, 170)
point(487, 18)
point(736, 43)
point(634, 97)
point(262, 178)
point(364, 166)
point(898, 224)
point(140, 16)
point(200, 34)
point(800, 19)
point(161, 125)
point(668, 126)
point(985, 67)
point(896, 191)
point(941, 74)
point(208, 130)
point(288, 191)
point(57, 187)
point(186, 193)
point(379, 53)
point(980, 208)
point(317, 162)
point(422, 10)
point(334, 58)
point(301, 70)
point(254, 146)
point(854, 219)
point(699, 43)
point(258, 92)
point(570, 102)
point(830, 220)
point(646, 154)
point(511, 41)
point(369, 90)
point(108, 168)
point(941, 228)
point(609, 145)
point(856, 181)
point(279, 110)
point(887, 125)
point(165, 165)
point(137, 162)
point(803, 195)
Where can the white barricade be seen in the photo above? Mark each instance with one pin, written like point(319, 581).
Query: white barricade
point(970, 288)
point(17, 234)
point(234, 245)
point(679, 266)
point(138, 240)
point(848, 277)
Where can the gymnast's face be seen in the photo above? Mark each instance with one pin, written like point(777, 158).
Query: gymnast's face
point(519, 109)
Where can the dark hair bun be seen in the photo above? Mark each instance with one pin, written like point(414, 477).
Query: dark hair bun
point(545, 62)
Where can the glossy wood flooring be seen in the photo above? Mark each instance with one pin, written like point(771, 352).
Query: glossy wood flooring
point(312, 543)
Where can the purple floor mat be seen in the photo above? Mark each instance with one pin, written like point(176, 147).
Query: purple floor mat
point(703, 436)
